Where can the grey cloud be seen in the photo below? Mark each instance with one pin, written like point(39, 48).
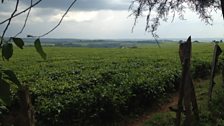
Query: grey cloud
point(7, 6)
point(47, 8)
point(103, 4)
point(85, 5)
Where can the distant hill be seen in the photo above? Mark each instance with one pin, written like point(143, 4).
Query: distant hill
point(107, 43)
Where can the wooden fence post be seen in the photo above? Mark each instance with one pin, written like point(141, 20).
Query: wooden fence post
point(187, 97)
point(223, 75)
point(26, 112)
point(21, 114)
point(217, 52)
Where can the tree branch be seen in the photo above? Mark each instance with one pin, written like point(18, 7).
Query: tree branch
point(21, 12)
point(222, 6)
point(159, 10)
point(27, 16)
point(58, 22)
point(9, 21)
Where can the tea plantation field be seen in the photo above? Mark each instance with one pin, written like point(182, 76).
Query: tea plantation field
point(95, 86)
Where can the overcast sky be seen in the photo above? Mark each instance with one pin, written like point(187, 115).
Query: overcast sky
point(102, 19)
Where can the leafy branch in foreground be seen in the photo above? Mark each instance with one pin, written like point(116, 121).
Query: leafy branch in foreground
point(7, 45)
point(13, 13)
point(8, 77)
point(5, 77)
point(158, 10)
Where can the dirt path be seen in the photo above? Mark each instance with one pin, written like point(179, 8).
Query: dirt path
point(163, 108)
point(172, 101)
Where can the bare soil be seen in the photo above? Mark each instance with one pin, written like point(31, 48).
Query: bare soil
point(172, 101)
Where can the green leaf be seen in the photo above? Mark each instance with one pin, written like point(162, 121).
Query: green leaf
point(7, 50)
point(12, 77)
point(19, 42)
point(39, 49)
point(5, 92)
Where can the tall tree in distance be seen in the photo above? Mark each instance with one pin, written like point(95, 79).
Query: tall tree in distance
point(162, 8)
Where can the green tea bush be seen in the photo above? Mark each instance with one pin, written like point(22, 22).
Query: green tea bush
point(200, 68)
point(79, 86)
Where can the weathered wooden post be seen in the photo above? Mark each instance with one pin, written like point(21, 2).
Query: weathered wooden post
point(216, 53)
point(22, 114)
point(26, 113)
point(223, 75)
point(187, 98)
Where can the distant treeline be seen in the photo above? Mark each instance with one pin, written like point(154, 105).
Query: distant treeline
point(102, 45)
point(93, 43)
